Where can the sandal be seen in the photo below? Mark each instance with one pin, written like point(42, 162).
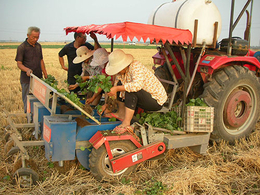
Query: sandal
point(120, 130)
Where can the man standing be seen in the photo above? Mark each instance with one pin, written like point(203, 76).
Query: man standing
point(29, 60)
point(70, 51)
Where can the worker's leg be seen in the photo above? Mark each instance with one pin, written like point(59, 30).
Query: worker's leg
point(25, 92)
point(141, 99)
point(129, 113)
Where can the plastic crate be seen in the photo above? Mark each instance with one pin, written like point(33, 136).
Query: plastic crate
point(198, 119)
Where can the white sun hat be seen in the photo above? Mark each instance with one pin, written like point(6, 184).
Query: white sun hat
point(83, 53)
point(117, 61)
point(100, 57)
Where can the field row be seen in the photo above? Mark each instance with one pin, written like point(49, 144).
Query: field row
point(116, 46)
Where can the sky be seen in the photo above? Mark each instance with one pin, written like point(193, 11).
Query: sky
point(52, 16)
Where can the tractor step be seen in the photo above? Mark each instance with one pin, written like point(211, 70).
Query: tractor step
point(198, 142)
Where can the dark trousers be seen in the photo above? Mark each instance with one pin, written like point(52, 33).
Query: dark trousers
point(141, 99)
point(25, 92)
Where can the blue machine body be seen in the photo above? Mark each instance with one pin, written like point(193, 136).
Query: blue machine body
point(60, 138)
point(39, 111)
point(61, 134)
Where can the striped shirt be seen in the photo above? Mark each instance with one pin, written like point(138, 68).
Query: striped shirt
point(139, 77)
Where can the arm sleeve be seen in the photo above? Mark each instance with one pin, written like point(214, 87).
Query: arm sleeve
point(63, 51)
point(138, 76)
point(19, 53)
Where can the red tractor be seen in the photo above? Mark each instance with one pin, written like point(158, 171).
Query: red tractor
point(225, 74)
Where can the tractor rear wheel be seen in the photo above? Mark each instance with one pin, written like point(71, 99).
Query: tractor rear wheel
point(99, 162)
point(234, 92)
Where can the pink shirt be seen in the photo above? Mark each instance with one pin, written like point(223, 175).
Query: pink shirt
point(139, 77)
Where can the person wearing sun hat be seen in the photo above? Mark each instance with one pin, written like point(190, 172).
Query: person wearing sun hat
point(69, 50)
point(135, 85)
point(85, 56)
point(100, 59)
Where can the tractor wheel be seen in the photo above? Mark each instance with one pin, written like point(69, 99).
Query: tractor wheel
point(99, 162)
point(25, 177)
point(234, 92)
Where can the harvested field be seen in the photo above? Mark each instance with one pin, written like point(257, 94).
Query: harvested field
point(226, 169)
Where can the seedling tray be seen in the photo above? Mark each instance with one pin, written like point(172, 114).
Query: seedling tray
point(198, 119)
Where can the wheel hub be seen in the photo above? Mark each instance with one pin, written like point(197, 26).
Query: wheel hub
point(237, 108)
point(106, 163)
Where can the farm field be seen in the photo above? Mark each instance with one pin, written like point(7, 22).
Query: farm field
point(226, 169)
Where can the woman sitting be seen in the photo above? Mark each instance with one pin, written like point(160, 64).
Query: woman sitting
point(135, 85)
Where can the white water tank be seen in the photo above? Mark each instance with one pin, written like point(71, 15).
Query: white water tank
point(182, 14)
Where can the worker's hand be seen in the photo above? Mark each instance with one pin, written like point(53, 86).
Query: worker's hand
point(93, 36)
point(46, 76)
point(90, 100)
point(72, 87)
point(65, 68)
point(28, 72)
point(102, 109)
point(112, 92)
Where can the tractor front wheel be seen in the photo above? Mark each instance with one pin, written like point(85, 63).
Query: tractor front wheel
point(234, 92)
point(99, 162)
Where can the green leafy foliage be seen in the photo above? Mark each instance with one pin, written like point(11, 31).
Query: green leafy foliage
point(167, 121)
point(113, 119)
point(154, 187)
point(50, 80)
point(81, 83)
point(125, 181)
point(100, 81)
point(81, 167)
point(7, 177)
point(62, 91)
point(50, 164)
point(74, 98)
point(197, 102)
point(82, 148)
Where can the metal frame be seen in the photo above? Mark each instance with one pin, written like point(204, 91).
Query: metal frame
point(44, 92)
point(232, 25)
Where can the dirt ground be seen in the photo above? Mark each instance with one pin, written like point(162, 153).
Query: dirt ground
point(226, 169)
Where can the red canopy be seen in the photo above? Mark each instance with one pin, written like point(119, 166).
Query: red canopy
point(137, 30)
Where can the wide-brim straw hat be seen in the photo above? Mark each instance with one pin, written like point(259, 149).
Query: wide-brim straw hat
point(83, 53)
point(100, 57)
point(117, 61)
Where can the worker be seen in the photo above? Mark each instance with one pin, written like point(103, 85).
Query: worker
point(135, 86)
point(85, 57)
point(100, 59)
point(29, 60)
point(70, 51)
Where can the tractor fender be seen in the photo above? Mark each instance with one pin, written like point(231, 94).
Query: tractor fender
point(209, 63)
